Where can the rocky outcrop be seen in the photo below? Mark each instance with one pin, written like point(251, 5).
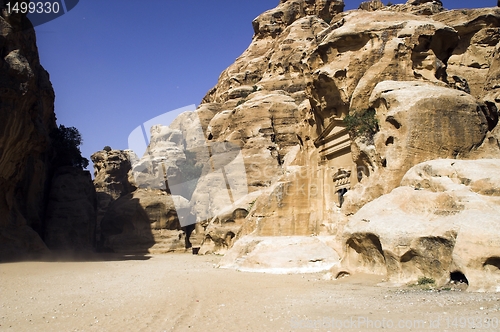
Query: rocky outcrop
point(320, 121)
point(473, 59)
point(440, 221)
point(417, 122)
point(132, 218)
point(398, 63)
point(137, 221)
point(419, 7)
point(371, 5)
point(27, 113)
point(111, 171)
point(70, 219)
point(274, 21)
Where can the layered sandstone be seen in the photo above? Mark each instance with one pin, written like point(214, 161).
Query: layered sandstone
point(282, 152)
point(413, 64)
point(134, 214)
point(441, 220)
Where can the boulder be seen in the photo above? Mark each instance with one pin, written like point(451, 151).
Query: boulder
point(441, 222)
point(417, 122)
point(111, 172)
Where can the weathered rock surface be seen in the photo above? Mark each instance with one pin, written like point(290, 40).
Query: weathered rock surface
point(111, 180)
point(27, 113)
point(408, 62)
point(281, 255)
point(417, 122)
point(473, 58)
point(371, 5)
point(419, 7)
point(111, 171)
point(132, 219)
point(274, 21)
point(430, 76)
point(137, 221)
point(441, 220)
point(70, 220)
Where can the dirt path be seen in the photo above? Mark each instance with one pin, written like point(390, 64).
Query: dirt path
point(182, 292)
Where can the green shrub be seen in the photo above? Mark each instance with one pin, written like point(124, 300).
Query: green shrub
point(425, 281)
point(107, 148)
point(66, 142)
point(250, 206)
point(362, 123)
point(241, 102)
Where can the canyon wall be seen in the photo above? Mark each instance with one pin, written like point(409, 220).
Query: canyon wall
point(358, 128)
point(42, 206)
point(27, 113)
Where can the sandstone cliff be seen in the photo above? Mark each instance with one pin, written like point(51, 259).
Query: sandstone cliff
point(42, 207)
point(131, 218)
point(329, 118)
point(27, 107)
point(427, 76)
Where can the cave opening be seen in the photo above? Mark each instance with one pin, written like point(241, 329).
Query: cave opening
point(458, 277)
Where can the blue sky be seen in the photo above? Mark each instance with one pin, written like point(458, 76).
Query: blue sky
point(115, 64)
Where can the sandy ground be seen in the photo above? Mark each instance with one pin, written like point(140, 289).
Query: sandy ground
point(183, 292)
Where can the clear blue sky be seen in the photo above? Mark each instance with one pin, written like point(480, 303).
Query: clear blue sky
point(115, 64)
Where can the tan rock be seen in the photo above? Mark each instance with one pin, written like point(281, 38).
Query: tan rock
point(140, 220)
point(274, 21)
point(354, 57)
point(441, 220)
point(419, 7)
point(345, 60)
point(417, 122)
point(371, 5)
point(473, 58)
point(281, 255)
point(111, 172)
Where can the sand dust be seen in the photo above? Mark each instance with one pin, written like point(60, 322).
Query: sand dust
point(183, 292)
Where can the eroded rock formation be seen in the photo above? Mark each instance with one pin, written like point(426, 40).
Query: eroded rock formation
point(38, 202)
point(417, 122)
point(424, 71)
point(132, 219)
point(336, 117)
point(27, 113)
point(441, 220)
point(371, 5)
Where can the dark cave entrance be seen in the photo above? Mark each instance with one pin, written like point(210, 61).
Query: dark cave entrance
point(458, 277)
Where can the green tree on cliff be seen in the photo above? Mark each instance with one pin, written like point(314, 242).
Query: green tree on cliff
point(66, 142)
